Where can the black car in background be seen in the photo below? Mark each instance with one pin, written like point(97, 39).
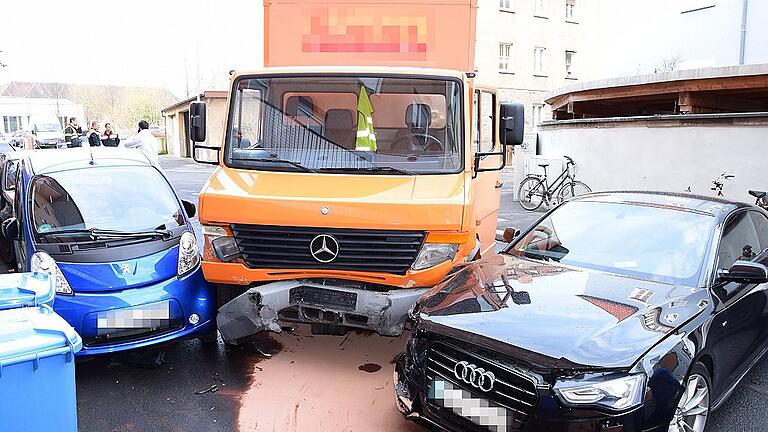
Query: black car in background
point(615, 312)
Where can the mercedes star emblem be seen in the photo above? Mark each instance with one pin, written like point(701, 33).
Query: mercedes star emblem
point(475, 376)
point(324, 210)
point(324, 248)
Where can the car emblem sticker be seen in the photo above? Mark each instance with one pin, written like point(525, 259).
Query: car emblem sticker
point(324, 248)
point(125, 269)
point(641, 295)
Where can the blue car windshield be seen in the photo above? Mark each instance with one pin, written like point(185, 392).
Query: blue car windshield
point(644, 241)
point(111, 198)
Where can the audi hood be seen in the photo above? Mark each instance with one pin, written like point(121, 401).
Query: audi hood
point(552, 316)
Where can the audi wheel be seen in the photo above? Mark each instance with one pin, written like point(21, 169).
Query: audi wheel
point(692, 410)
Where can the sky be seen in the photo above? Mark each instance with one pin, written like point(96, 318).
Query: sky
point(190, 45)
point(138, 42)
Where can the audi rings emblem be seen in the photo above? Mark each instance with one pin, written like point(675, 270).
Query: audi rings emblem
point(475, 376)
point(324, 248)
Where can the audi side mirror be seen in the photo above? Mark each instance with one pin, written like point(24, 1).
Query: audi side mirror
point(745, 272)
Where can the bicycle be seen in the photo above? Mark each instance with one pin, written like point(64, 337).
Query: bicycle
point(762, 198)
point(719, 182)
point(534, 189)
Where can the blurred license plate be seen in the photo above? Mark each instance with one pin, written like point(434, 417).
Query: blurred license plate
point(478, 410)
point(135, 319)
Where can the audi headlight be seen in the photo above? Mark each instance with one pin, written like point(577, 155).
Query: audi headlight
point(41, 262)
point(189, 253)
point(432, 254)
point(615, 392)
point(220, 242)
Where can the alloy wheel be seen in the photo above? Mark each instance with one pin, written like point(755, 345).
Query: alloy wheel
point(693, 408)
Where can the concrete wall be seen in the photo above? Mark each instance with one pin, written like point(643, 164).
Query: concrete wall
point(657, 155)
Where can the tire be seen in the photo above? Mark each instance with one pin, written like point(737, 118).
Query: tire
point(7, 252)
point(698, 380)
point(572, 189)
point(531, 193)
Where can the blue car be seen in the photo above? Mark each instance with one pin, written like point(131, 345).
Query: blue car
point(107, 224)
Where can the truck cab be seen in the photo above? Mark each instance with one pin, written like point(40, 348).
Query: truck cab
point(343, 192)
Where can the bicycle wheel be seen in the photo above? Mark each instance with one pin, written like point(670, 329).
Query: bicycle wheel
point(531, 193)
point(572, 189)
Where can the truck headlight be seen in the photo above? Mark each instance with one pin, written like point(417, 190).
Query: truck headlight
point(189, 253)
point(615, 392)
point(220, 244)
point(41, 262)
point(432, 254)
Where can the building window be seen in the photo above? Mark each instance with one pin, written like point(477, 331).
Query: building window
point(505, 57)
point(538, 110)
point(539, 8)
point(570, 12)
point(505, 5)
point(11, 124)
point(538, 61)
point(570, 59)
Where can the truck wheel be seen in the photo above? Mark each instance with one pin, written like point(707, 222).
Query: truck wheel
point(227, 293)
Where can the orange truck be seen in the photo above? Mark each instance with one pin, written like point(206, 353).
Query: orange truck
point(356, 169)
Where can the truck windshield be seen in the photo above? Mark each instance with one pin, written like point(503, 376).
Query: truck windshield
point(346, 124)
point(102, 198)
point(48, 127)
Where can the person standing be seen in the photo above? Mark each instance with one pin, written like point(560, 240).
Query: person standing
point(145, 142)
point(72, 133)
point(110, 138)
point(94, 135)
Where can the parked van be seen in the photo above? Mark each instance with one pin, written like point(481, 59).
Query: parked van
point(109, 227)
point(343, 192)
point(47, 131)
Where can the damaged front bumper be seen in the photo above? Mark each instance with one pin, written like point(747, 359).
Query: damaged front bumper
point(259, 308)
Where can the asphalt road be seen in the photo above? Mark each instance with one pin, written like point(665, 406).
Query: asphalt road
point(124, 395)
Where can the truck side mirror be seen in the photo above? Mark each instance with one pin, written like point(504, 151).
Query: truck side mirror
point(11, 229)
point(197, 121)
point(197, 133)
point(512, 123)
point(510, 233)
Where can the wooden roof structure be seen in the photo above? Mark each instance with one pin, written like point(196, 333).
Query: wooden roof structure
point(736, 89)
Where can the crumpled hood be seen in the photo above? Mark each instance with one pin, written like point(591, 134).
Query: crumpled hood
point(553, 316)
point(120, 275)
point(352, 201)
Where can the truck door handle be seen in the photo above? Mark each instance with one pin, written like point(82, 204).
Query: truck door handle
point(499, 185)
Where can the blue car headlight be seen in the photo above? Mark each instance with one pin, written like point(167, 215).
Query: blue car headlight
point(41, 262)
point(613, 391)
point(189, 253)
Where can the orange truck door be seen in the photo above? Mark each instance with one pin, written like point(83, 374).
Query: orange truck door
point(486, 185)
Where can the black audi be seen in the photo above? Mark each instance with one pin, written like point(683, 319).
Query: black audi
point(614, 312)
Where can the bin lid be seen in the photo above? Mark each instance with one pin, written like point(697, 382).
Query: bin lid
point(35, 332)
point(25, 289)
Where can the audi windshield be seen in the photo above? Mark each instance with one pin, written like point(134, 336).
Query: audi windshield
point(346, 124)
point(664, 244)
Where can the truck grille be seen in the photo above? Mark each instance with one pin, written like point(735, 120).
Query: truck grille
point(278, 247)
point(511, 390)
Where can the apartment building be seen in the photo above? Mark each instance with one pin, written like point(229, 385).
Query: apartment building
point(527, 48)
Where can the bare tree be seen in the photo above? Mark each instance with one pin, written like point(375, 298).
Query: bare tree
point(669, 64)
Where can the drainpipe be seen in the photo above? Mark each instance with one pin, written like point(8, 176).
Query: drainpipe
point(743, 32)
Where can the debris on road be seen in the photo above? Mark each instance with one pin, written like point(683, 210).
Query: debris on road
point(370, 367)
point(212, 389)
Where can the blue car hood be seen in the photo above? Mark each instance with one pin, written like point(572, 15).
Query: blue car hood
point(120, 275)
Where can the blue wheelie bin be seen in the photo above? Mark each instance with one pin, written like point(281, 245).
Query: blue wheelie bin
point(37, 358)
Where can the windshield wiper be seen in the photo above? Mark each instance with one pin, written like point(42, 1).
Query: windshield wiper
point(103, 234)
point(276, 160)
point(381, 169)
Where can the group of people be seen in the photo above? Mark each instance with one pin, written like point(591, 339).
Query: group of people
point(143, 141)
point(73, 132)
